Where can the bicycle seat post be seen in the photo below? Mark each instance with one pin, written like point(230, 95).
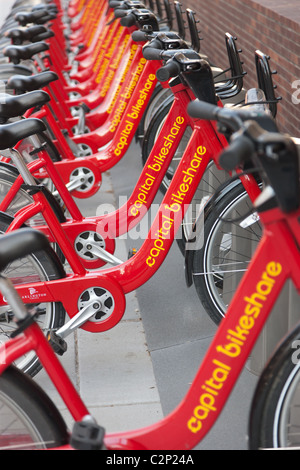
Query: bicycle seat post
point(20, 164)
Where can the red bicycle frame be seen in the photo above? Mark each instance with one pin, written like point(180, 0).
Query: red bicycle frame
point(251, 305)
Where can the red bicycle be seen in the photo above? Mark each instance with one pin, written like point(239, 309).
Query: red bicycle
point(273, 420)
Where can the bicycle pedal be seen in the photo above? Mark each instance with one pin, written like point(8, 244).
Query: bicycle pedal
point(132, 252)
point(87, 436)
point(57, 343)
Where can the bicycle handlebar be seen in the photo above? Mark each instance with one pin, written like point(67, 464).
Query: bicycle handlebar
point(240, 151)
point(115, 3)
point(203, 110)
point(234, 117)
point(120, 13)
point(256, 140)
point(153, 53)
point(127, 20)
point(171, 69)
point(140, 36)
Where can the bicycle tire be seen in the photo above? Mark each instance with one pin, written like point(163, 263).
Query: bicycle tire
point(224, 250)
point(42, 265)
point(28, 418)
point(274, 417)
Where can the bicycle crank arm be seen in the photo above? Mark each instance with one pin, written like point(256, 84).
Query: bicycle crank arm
point(81, 178)
point(104, 255)
point(78, 320)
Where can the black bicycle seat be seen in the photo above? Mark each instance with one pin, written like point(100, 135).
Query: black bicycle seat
point(11, 134)
point(33, 82)
point(13, 106)
point(18, 35)
point(19, 244)
point(41, 37)
point(40, 16)
point(18, 53)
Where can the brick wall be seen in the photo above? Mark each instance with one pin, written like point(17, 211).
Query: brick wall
point(269, 25)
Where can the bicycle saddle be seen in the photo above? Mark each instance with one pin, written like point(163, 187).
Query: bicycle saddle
point(33, 34)
point(41, 37)
point(13, 106)
point(18, 53)
point(24, 83)
point(40, 16)
point(11, 134)
point(19, 244)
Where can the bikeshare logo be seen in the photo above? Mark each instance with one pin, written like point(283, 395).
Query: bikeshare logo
point(33, 294)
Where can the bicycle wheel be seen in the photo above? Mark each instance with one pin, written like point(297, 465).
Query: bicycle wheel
point(226, 248)
point(28, 419)
point(274, 418)
point(40, 266)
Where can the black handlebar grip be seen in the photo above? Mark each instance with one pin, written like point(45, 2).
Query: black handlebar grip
point(120, 13)
point(239, 151)
point(151, 53)
point(139, 36)
point(171, 69)
point(203, 110)
point(114, 3)
point(128, 20)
